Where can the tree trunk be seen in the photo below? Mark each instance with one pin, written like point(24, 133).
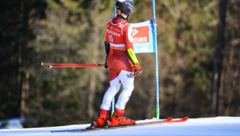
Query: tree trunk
point(217, 64)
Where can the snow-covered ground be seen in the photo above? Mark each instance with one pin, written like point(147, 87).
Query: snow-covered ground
point(219, 126)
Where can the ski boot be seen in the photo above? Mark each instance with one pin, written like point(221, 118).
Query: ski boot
point(119, 120)
point(102, 119)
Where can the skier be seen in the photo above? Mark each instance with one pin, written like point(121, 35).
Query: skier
point(122, 64)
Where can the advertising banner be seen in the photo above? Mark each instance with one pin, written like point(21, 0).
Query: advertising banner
point(142, 37)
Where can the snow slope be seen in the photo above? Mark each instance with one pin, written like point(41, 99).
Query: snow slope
point(219, 126)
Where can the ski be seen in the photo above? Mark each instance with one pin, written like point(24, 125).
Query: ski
point(168, 120)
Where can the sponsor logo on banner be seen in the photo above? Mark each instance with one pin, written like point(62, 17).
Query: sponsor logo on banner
point(140, 34)
point(141, 49)
point(134, 32)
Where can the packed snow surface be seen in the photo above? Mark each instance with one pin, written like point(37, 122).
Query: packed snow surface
point(219, 126)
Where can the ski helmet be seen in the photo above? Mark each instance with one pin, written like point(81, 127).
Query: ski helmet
point(126, 6)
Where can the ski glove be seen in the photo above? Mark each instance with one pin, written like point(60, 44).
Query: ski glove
point(106, 66)
point(137, 70)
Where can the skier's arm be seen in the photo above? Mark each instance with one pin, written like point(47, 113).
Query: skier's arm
point(127, 30)
point(107, 48)
point(131, 55)
point(130, 52)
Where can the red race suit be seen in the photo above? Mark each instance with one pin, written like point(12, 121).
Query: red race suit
point(119, 35)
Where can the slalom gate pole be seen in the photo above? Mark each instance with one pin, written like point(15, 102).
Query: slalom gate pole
point(156, 58)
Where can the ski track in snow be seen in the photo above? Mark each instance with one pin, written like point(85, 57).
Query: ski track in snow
point(219, 126)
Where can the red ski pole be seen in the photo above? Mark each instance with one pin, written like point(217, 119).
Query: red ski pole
point(76, 66)
point(59, 65)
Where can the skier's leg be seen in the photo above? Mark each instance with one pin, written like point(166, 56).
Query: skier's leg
point(127, 81)
point(112, 90)
point(107, 99)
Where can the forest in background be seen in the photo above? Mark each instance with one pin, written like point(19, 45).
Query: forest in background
point(195, 40)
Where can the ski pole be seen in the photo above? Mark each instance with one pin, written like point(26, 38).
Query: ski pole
point(69, 64)
point(76, 66)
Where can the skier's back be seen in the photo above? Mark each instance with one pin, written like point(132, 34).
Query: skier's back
point(122, 64)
